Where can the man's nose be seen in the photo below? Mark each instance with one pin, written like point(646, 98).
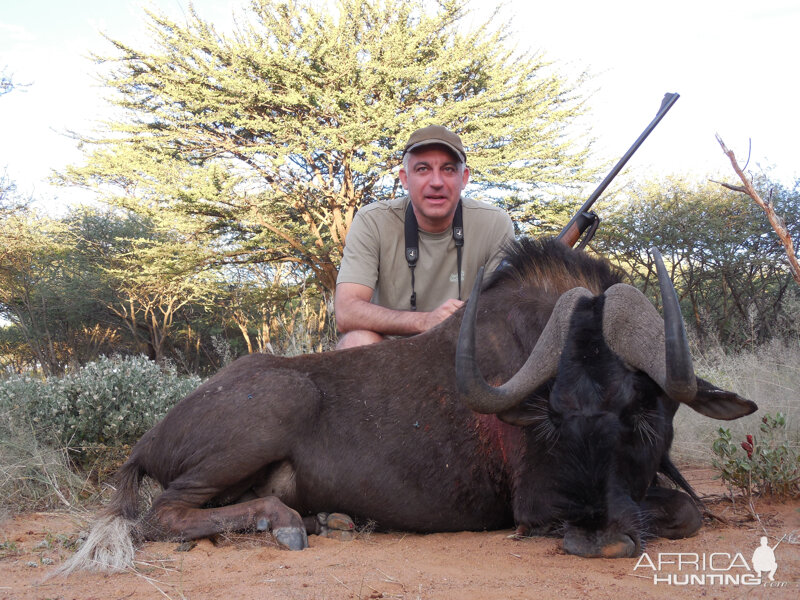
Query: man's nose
point(436, 178)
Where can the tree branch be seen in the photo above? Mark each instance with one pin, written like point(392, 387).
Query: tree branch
point(777, 222)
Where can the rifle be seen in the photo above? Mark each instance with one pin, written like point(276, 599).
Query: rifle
point(585, 219)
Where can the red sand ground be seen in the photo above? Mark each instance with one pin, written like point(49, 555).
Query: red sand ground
point(453, 566)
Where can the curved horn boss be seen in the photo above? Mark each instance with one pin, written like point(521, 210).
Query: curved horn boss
point(634, 330)
point(541, 365)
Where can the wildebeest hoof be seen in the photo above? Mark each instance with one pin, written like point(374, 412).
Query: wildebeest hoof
point(262, 524)
point(336, 526)
point(293, 538)
point(336, 521)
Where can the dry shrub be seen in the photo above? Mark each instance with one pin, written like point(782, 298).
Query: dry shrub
point(35, 476)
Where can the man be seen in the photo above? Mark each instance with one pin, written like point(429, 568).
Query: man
point(378, 293)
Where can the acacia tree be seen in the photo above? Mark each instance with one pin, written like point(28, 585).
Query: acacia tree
point(53, 292)
point(79, 286)
point(260, 145)
point(726, 266)
point(151, 286)
point(33, 252)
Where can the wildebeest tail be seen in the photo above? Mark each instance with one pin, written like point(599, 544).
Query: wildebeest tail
point(109, 545)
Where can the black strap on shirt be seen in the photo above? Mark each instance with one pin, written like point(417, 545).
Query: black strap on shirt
point(412, 245)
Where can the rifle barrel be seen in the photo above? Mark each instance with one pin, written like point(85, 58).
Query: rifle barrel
point(666, 104)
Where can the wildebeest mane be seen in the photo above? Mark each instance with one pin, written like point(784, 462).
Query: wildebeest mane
point(550, 264)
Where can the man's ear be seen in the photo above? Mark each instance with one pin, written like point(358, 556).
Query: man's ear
point(465, 177)
point(403, 177)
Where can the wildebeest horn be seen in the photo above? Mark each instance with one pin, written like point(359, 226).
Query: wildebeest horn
point(541, 365)
point(633, 330)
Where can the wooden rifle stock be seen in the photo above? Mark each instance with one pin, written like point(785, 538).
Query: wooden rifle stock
point(585, 218)
point(575, 228)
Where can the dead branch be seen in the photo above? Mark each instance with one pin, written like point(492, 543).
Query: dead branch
point(778, 224)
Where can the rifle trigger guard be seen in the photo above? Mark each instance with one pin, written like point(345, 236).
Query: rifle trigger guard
point(592, 221)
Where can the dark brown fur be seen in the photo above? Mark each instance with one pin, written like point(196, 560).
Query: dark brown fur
point(377, 432)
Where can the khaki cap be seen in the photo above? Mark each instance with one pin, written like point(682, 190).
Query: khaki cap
point(436, 134)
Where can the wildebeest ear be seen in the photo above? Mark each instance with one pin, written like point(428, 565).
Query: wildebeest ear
point(720, 404)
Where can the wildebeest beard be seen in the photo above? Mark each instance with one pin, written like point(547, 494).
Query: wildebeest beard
point(607, 428)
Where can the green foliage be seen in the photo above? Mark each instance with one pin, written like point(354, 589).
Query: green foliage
point(236, 164)
point(73, 289)
point(258, 146)
point(728, 267)
point(87, 419)
point(9, 549)
point(112, 401)
point(763, 464)
point(88, 284)
point(54, 289)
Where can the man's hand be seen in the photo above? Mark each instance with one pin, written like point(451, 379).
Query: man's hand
point(439, 314)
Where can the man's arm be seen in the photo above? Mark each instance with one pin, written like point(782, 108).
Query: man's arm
point(354, 311)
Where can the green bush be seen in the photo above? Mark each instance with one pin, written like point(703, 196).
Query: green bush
point(112, 401)
point(87, 418)
point(762, 464)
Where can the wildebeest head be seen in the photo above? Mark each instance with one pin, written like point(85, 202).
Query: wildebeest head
point(599, 391)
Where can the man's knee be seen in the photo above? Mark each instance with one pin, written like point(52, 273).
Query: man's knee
point(359, 337)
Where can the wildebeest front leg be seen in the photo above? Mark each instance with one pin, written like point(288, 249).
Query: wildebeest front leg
point(175, 519)
point(671, 513)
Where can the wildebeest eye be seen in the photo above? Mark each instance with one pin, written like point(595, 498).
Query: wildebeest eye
point(536, 413)
point(554, 417)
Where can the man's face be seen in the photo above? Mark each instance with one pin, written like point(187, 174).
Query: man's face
point(434, 179)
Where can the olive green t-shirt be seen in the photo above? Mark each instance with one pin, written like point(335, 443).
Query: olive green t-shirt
point(374, 254)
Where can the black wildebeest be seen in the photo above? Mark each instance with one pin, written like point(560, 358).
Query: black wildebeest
point(572, 441)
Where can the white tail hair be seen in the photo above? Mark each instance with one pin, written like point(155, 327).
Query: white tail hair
point(108, 547)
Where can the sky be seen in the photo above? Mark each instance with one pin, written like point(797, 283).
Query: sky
point(733, 62)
